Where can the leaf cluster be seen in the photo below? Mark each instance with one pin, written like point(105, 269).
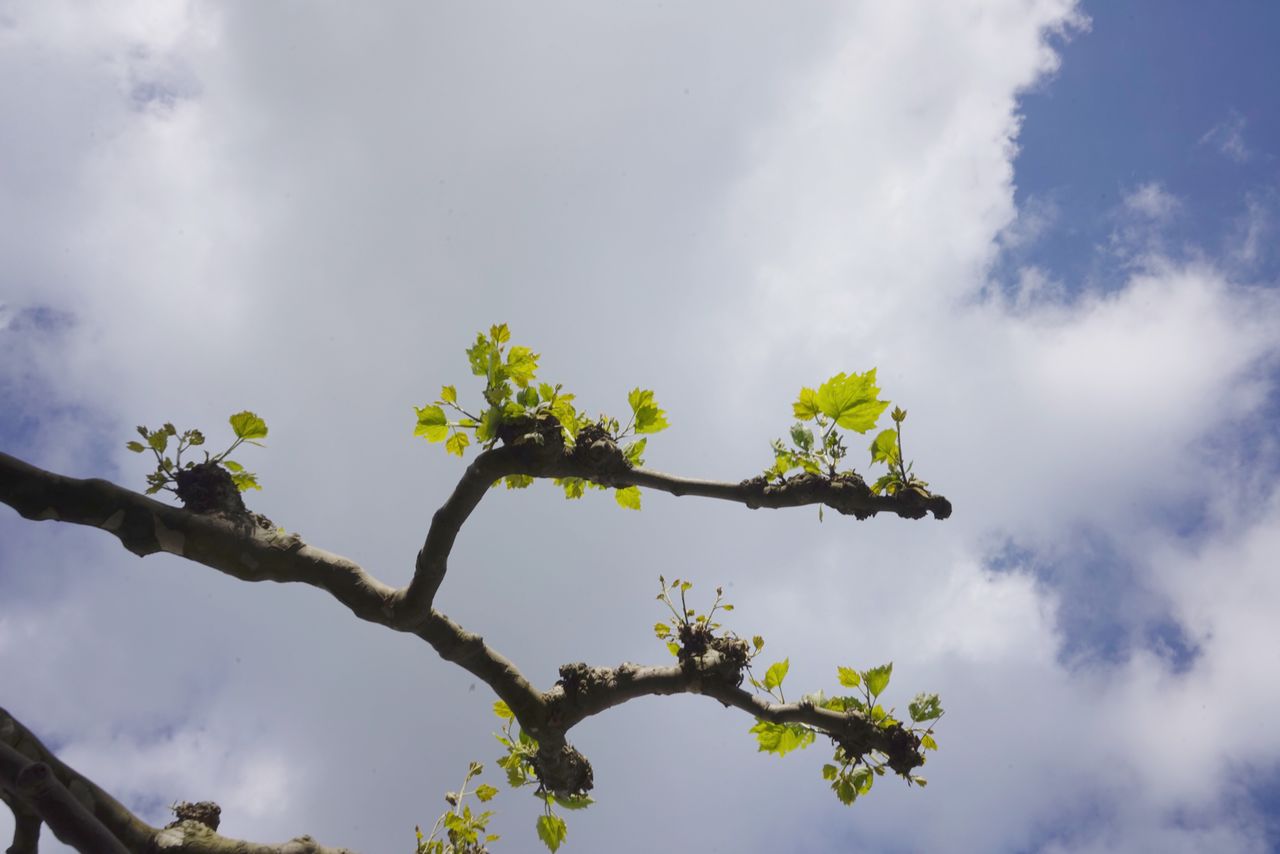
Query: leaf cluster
point(844, 402)
point(512, 396)
point(518, 761)
point(887, 449)
point(852, 773)
point(464, 832)
point(246, 426)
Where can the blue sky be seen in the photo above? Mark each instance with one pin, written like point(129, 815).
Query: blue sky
point(1172, 93)
point(1050, 226)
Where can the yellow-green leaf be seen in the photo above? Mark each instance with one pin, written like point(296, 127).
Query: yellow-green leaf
point(449, 394)
point(877, 678)
point(485, 792)
point(432, 423)
point(648, 418)
point(502, 710)
point(552, 831)
point(457, 443)
point(851, 400)
point(499, 333)
point(522, 363)
point(848, 677)
point(248, 426)
point(136, 447)
point(628, 497)
point(885, 447)
point(781, 738)
point(776, 673)
point(806, 406)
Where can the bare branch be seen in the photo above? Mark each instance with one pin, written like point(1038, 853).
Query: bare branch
point(26, 825)
point(85, 817)
point(251, 549)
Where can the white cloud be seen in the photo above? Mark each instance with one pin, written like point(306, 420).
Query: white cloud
point(1228, 138)
point(1153, 201)
point(336, 201)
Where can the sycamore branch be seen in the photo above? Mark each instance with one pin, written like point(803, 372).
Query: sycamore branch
point(35, 783)
point(249, 547)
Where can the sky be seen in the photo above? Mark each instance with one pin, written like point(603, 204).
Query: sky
point(1049, 225)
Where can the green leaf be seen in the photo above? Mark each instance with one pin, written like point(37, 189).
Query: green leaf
point(757, 642)
point(503, 711)
point(479, 355)
point(885, 447)
point(899, 414)
point(528, 397)
point(551, 830)
point(158, 441)
point(244, 480)
point(927, 742)
point(662, 630)
point(500, 333)
point(863, 778)
point(802, 436)
point(573, 486)
point(851, 400)
point(648, 417)
point(673, 648)
point(232, 466)
point(781, 738)
point(925, 707)
point(457, 443)
point(829, 772)
point(581, 802)
point(522, 363)
point(845, 790)
point(628, 497)
point(806, 406)
point(431, 423)
point(449, 394)
point(518, 481)
point(848, 677)
point(195, 437)
point(485, 792)
point(633, 452)
point(886, 483)
point(564, 412)
point(776, 673)
point(136, 447)
point(877, 678)
point(248, 426)
point(489, 421)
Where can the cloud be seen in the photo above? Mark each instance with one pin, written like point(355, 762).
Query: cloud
point(1228, 138)
point(309, 216)
point(1151, 201)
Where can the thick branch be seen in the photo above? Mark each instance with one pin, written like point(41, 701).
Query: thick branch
point(539, 451)
point(250, 549)
point(85, 817)
point(26, 826)
point(583, 692)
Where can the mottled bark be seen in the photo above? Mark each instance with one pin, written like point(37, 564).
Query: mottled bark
point(249, 547)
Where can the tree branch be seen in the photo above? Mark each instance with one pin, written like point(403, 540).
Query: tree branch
point(85, 817)
point(26, 826)
point(251, 549)
point(584, 691)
